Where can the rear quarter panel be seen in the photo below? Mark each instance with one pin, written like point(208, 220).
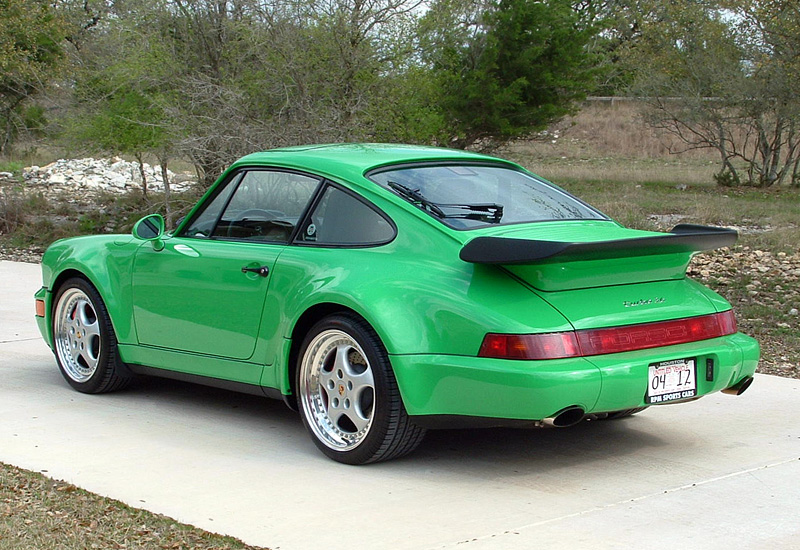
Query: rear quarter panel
point(415, 292)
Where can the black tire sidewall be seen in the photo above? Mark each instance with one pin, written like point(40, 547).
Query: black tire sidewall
point(385, 405)
point(107, 358)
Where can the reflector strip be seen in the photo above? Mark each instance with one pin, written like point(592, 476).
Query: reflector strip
point(585, 343)
point(653, 335)
point(40, 308)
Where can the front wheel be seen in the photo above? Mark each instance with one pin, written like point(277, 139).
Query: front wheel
point(85, 344)
point(348, 396)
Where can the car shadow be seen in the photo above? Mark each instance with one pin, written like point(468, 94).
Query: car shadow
point(545, 449)
point(467, 450)
point(271, 423)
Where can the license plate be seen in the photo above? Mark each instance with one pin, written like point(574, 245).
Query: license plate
point(671, 380)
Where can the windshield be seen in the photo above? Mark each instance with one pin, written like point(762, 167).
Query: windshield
point(465, 196)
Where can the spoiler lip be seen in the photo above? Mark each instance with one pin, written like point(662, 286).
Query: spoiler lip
point(683, 238)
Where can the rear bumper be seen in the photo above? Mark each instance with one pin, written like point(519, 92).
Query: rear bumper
point(445, 385)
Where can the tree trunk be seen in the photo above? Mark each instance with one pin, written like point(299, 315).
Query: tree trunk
point(725, 158)
point(165, 178)
point(7, 134)
point(776, 148)
point(141, 172)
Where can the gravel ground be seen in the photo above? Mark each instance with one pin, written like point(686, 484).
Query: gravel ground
point(27, 255)
point(764, 289)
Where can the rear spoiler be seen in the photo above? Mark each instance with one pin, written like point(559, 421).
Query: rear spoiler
point(682, 238)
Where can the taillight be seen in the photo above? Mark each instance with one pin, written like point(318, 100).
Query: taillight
point(584, 343)
point(555, 345)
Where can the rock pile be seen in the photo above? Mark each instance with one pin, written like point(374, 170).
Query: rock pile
point(84, 176)
point(765, 289)
point(725, 265)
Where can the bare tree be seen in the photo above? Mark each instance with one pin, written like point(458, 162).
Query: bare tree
point(726, 83)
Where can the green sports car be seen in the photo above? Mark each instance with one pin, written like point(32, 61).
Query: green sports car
point(385, 289)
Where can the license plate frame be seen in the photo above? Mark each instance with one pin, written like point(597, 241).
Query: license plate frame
point(672, 380)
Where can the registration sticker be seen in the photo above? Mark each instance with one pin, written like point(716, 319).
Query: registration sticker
point(671, 380)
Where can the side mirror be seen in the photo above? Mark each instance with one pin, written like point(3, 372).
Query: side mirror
point(150, 228)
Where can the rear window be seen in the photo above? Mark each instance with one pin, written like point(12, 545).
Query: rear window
point(466, 196)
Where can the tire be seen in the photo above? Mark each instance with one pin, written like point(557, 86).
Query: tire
point(348, 396)
point(624, 413)
point(84, 342)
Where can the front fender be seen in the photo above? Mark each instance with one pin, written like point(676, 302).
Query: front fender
point(106, 262)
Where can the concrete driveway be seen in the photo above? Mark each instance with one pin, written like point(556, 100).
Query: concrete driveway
point(719, 473)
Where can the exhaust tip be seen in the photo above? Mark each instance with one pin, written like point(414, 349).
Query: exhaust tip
point(565, 417)
point(740, 388)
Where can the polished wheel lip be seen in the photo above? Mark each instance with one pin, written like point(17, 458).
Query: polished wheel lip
point(76, 334)
point(332, 389)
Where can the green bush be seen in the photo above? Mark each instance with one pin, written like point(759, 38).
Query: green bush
point(12, 210)
point(13, 167)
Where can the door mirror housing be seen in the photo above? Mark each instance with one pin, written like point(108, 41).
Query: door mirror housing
point(150, 228)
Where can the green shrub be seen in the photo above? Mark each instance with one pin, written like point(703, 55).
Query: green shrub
point(12, 210)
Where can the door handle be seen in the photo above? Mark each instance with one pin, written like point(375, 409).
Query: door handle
point(262, 270)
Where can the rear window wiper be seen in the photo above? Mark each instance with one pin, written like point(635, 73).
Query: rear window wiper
point(488, 212)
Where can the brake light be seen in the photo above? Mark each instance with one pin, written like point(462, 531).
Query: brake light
point(555, 345)
point(584, 343)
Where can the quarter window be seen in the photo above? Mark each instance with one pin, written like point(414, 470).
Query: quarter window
point(341, 219)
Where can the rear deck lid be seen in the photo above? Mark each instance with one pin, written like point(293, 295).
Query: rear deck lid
point(633, 304)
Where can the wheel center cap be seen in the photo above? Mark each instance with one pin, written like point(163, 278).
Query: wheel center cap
point(341, 389)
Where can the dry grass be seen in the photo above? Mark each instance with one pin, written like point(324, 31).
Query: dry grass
point(39, 513)
point(610, 142)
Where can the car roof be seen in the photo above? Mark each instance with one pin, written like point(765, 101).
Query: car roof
point(354, 159)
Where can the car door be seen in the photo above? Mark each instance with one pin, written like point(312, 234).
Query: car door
point(204, 291)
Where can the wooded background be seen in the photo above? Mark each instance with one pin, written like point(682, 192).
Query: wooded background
point(207, 81)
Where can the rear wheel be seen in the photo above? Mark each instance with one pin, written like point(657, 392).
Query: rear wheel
point(85, 344)
point(348, 396)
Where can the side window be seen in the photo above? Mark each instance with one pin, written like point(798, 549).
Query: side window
point(266, 206)
point(203, 223)
point(341, 219)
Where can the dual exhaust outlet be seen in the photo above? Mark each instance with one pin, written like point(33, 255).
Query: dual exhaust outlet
point(740, 387)
point(565, 417)
point(574, 414)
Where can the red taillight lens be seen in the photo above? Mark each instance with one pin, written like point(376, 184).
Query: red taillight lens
point(727, 322)
point(530, 346)
point(653, 335)
point(607, 340)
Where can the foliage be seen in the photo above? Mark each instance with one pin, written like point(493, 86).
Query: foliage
point(13, 167)
point(30, 57)
point(12, 210)
point(210, 81)
point(507, 68)
point(123, 122)
point(726, 80)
